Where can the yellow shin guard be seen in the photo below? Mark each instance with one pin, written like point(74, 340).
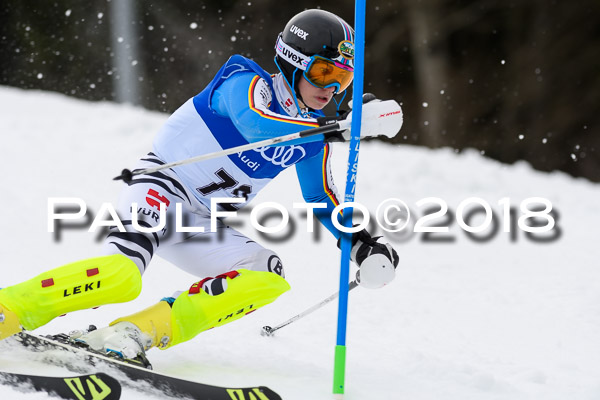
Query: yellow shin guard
point(80, 285)
point(195, 311)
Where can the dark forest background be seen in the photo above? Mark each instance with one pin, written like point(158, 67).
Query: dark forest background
point(517, 80)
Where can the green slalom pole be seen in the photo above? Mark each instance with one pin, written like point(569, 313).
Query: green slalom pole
point(339, 369)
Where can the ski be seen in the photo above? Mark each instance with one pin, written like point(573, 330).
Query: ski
point(164, 383)
point(97, 386)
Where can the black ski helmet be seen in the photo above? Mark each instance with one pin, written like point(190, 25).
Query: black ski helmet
point(313, 32)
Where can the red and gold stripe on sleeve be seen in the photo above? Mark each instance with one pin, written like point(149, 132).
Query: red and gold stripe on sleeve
point(327, 178)
point(266, 113)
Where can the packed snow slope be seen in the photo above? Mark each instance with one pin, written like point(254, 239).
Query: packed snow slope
point(505, 317)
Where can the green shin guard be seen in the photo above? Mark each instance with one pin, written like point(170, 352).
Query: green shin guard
point(195, 311)
point(80, 285)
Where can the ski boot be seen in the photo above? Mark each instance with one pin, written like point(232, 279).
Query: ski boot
point(123, 341)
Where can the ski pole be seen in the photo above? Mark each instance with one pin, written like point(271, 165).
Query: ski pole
point(127, 174)
point(384, 118)
point(270, 331)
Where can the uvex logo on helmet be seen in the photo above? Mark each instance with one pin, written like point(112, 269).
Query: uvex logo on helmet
point(297, 31)
point(293, 57)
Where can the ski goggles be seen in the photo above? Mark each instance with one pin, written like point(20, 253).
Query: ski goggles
point(319, 71)
point(324, 73)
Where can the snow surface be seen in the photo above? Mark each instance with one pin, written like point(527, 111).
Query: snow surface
point(463, 320)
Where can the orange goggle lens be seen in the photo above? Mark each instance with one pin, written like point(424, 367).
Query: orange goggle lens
point(325, 73)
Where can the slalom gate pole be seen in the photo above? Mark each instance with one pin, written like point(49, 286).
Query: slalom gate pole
point(339, 369)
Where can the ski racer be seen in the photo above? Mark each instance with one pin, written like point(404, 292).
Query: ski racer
point(242, 104)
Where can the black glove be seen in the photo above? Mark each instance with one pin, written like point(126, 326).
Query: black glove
point(363, 246)
point(342, 136)
point(367, 97)
point(335, 136)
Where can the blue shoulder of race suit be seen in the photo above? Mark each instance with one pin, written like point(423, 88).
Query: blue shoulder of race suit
point(233, 99)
